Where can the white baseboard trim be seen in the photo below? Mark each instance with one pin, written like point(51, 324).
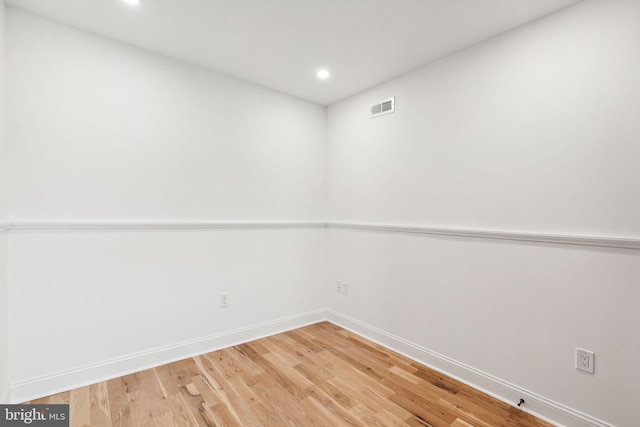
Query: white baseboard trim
point(539, 406)
point(35, 388)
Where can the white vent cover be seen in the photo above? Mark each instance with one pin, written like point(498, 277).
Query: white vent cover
point(385, 107)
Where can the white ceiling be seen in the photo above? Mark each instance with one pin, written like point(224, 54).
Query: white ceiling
point(280, 44)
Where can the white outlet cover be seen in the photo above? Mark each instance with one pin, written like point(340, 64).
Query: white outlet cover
point(585, 360)
point(224, 300)
point(339, 287)
point(345, 288)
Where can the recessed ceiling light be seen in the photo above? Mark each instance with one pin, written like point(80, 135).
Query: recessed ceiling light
point(323, 74)
point(133, 2)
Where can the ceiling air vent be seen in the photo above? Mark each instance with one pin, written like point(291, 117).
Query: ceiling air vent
point(385, 107)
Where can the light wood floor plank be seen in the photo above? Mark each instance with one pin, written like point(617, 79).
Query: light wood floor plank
point(100, 412)
point(119, 403)
point(80, 407)
point(319, 375)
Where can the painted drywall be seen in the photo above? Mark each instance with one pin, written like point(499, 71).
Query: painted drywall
point(4, 319)
point(104, 132)
point(100, 130)
point(515, 311)
point(534, 131)
point(3, 141)
point(3, 219)
point(98, 297)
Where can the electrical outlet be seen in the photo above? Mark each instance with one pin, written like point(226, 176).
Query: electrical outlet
point(339, 287)
point(224, 300)
point(585, 360)
point(345, 288)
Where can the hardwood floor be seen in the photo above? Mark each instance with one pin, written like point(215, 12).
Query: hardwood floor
point(319, 375)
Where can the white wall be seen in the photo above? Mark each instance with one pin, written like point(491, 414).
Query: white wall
point(100, 130)
point(533, 131)
point(104, 132)
point(3, 221)
point(132, 299)
point(4, 333)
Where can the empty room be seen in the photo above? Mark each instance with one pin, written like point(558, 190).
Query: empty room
point(320, 212)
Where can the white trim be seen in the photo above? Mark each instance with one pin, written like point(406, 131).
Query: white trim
point(151, 225)
point(567, 239)
point(46, 385)
point(536, 404)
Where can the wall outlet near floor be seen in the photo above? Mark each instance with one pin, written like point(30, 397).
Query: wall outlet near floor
point(224, 300)
point(585, 360)
point(342, 288)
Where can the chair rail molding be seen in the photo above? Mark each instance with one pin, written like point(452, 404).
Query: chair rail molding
point(470, 233)
point(566, 239)
point(158, 225)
